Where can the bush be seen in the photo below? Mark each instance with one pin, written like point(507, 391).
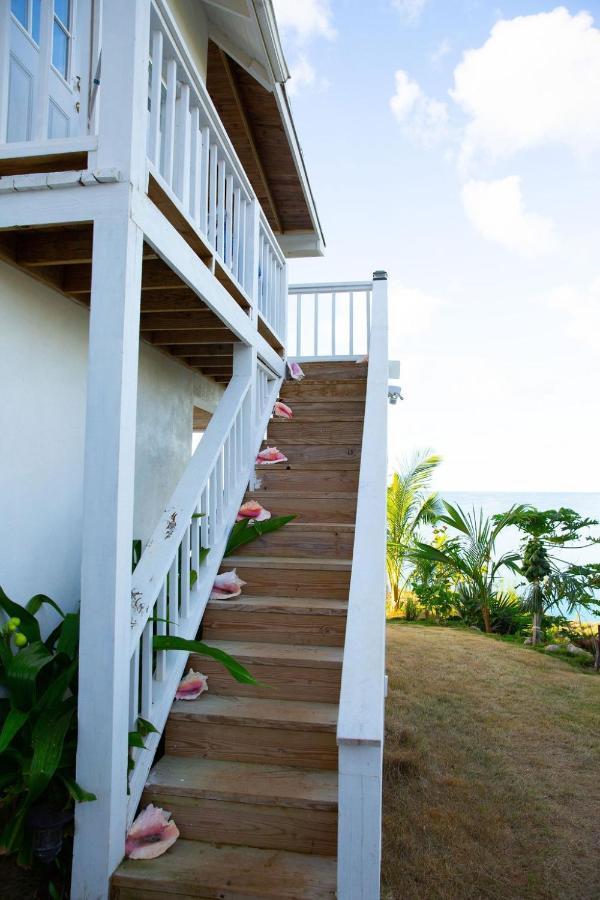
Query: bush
point(411, 610)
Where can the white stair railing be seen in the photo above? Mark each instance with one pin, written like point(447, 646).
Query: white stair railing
point(173, 579)
point(361, 713)
point(329, 321)
point(272, 287)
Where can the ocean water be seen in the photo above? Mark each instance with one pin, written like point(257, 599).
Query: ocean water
point(586, 504)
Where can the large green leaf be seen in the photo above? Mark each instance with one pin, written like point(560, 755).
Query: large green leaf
point(22, 673)
point(48, 738)
point(243, 532)
point(35, 604)
point(171, 642)
point(29, 624)
point(12, 725)
point(69, 636)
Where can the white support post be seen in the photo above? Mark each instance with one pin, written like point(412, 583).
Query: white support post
point(106, 553)
point(4, 66)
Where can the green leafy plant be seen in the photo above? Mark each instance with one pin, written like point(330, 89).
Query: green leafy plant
point(38, 714)
point(410, 505)
point(243, 532)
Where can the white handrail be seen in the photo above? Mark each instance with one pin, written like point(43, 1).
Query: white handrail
point(172, 582)
point(272, 290)
point(331, 321)
point(361, 714)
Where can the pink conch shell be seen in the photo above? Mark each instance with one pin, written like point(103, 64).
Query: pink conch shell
point(254, 511)
point(269, 456)
point(192, 686)
point(363, 360)
point(284, 412)
point(151, 834)
point(226, 585)
point(295, 371)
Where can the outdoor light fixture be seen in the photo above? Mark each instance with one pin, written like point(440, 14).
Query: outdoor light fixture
point(394, 393)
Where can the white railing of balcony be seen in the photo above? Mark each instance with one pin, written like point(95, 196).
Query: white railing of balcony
point(272, 286)
point(173, 579)
point(330, 321)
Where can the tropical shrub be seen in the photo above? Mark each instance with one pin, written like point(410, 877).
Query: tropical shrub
point(410, 505)
point(38, 713)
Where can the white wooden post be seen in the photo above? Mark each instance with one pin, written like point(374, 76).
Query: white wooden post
point(109, 467)
point(106, 554)
point(4, 66)
point(361, 716)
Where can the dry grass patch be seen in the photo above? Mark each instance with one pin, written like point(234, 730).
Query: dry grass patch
point(491, 773)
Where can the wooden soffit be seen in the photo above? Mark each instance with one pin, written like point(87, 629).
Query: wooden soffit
point(252, 120)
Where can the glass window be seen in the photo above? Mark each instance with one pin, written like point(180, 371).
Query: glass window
point(60, 49)
point(36, 15)
point(19, 10)
point(62, 11)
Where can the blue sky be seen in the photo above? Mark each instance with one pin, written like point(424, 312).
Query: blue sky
point(457, 145)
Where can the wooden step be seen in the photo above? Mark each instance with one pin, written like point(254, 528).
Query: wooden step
point(191, 870)
point(283, 671)
point(333, 371)
point(316, 456)
point(335, 507)
point(303, 539)
point(296, 431)
point(248, 729)
point(283, 620)
point(285, 576)
point(327, 410)
point(273, 807)
point(292, 391)
point(292, 479)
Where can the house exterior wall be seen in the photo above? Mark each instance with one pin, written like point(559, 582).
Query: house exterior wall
point(192, 22)
point(43, 370)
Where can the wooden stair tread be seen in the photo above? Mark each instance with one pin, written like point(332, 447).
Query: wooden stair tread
point(258, 712)
point(242, 782)
point(308, 494)
point(191, 869)
point(286, 605)
point(288, 562)
point(282, 654)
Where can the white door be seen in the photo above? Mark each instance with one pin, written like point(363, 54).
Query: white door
point(44, 99)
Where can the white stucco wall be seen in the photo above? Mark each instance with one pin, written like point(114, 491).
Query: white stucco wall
point(43, 370)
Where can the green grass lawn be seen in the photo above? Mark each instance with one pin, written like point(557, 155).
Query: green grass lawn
point(492, 770)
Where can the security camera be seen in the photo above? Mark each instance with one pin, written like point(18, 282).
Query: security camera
point(394, 393)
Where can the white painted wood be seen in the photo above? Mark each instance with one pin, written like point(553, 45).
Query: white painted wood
point(4, 67)
point(156, 97)
point(195, 164)
point(181, 155)
point(106, 552)
point(169, 134)
point(21, 149)
point(361, 711)
point(203, 197)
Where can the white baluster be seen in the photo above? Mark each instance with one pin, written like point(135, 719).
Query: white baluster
point(237, 211)
point(134, 687)
point(185, 574)
point(181, 175)
point(195, 526)
point(212, 481)
point(368, 303)
point(169, 136)
point(204, 519)
point(161, 629)
point(228, 222)
point(333, 302)
point(220, 246)
point(212, 194)
point(203, 193)
point(174, 596)
point(147, 658)
point(156, 97)
point(316, 324)
point(351, 325)
point(299, 325)
point(195, 164)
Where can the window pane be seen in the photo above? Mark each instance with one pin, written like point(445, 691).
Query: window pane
point(36, 12)
point(19, 10)
point(61, 11)
point(60, 50)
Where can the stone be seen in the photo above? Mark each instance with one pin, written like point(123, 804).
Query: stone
point(573, 648)
point(552, 648)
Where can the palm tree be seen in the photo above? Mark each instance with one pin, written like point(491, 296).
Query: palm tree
point(410, 504)
point(472, 557)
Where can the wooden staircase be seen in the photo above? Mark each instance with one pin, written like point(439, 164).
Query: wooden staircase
point(250, 771)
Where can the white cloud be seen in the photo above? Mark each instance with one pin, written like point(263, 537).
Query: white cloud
point(305, 19)
point(302, 74)
point(582, 309)
point(535, 81)
point(410, 9)
point(496, 210)
point(422, 117)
